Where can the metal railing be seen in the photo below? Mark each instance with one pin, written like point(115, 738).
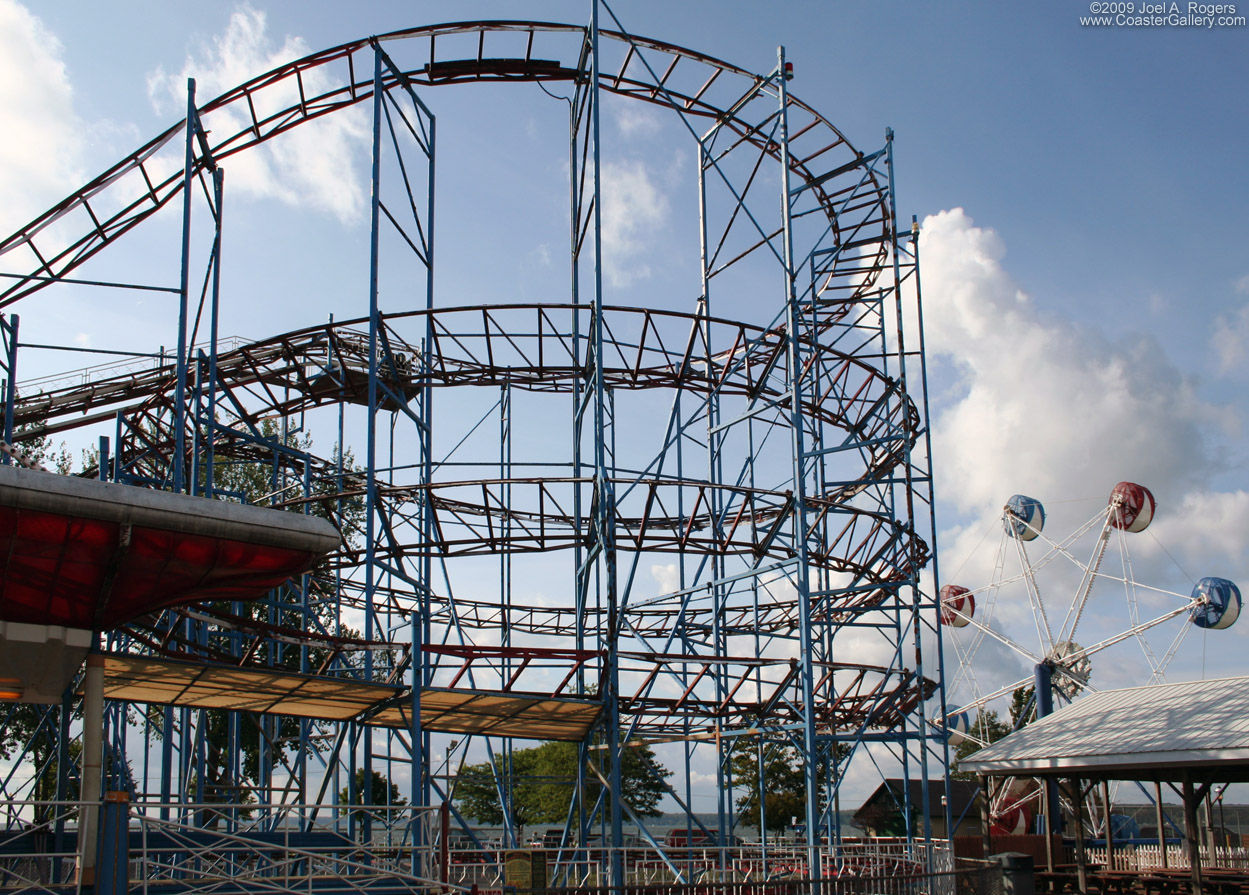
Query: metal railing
point(38, 846)
point(895, 866)
point(230, 848)
point(226, 849)
point(112, 369)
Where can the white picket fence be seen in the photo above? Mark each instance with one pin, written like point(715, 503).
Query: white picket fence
point(1144, 857)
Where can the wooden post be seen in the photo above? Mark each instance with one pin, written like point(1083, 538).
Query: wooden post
point(1162, 832)
point(1110, 855)
point(985, 839)
point(1191, 834)
point(1077, 803)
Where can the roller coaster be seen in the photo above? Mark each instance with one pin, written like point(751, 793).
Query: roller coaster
point(779, 466)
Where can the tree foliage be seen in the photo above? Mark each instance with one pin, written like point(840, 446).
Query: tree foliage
point(382, 792)
point(784, 784)
point(1022, 707)
point(986, 728)
point(538, 784)
point(270, 475)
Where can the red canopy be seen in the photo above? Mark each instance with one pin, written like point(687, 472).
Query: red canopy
point(89, 554)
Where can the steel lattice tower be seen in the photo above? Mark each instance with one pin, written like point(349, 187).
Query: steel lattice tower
point(780, 463)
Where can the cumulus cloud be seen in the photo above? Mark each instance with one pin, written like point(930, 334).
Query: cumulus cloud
point(667, 577)
point(313, 165)
point(636, 120)
point(41, 155)
point(1231, 338)
point(635, 208)
point(1030, 403)
point(1043, 403)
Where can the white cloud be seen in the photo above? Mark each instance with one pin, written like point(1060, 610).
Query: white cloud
point(1045, 405)
point(636, 120)
point(41, 155)
point(667, 577)
point(635, 209)
point(1038, 405)
point(312, 165)
point(1231, 338)
point(1206, 529)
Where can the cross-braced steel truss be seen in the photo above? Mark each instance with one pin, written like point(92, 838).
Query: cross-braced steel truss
point(776, 466)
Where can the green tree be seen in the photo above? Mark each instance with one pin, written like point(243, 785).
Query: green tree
point(1022, 707)
point(784, 783)
point(270, 475)
point(34, 729)
point(986, 728)
point(382, 792)
point(541, 784)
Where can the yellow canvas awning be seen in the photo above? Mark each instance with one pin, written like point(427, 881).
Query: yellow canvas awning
point(197, 685)
point(525, 715)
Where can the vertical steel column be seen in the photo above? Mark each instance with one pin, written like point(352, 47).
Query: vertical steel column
point(370, 499)
point(422, 662)
point(715, 474)
point(944, 743)
point(10, 389)
point(909, 498)
point(605, 515)
point(578, 553)
point(1043, 688)
point(179, 413)
point(802, 584)
point(214, 316)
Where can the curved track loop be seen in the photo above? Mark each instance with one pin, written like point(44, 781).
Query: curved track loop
point(862, 553)
point(701, 88)
point(530, 347)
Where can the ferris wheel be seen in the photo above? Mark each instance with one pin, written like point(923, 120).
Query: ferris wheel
point(1065, 634)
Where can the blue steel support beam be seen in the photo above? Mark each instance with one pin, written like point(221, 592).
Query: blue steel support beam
point(9, 331)
point(179, 413)
point(605, 516)
point(580, 589)
point(422, 662)
point(214, 334)
point(1043, 687)
point(909, 501)
point(370, 500)
point(943, 742)
point(801, 572)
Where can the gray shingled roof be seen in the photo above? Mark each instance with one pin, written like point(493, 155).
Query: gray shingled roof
point(1143, 733)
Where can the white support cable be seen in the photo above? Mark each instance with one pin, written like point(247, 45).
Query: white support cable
point(1156, 669)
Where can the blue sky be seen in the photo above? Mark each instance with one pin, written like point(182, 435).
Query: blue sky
point(1083, 189)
